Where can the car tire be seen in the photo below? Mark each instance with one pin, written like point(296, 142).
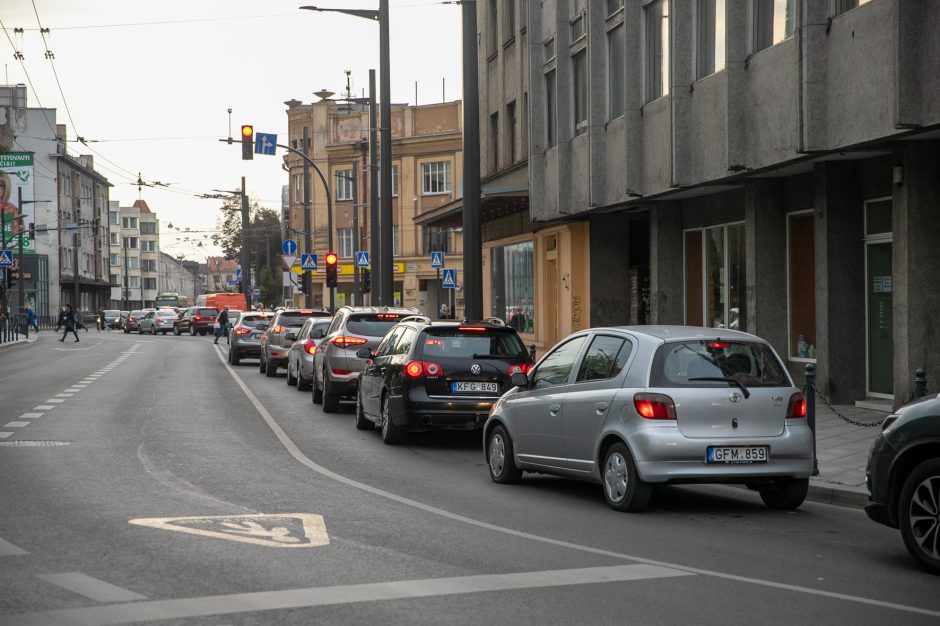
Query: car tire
point(192, 331)
point(499, 457)
point(317, 395)
point(330, 400)
point(921, 484)
point(270, 370)
point(153, 331)
point(202, 333)
point(234, 357)
point(261, 364)
point(291, 379)
point(391, 434)
point(786, 495)
point(164, 333)
point(302, 383)
point(126, 331)
point(176, 331)
point(362, 422)
point(623, 489)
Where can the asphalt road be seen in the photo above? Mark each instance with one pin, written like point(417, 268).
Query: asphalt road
point(296, 517)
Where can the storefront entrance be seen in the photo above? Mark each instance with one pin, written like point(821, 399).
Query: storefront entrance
point(878, 280)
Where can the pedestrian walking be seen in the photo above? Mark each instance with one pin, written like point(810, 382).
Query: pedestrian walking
point(100, 320)
point(222, 322)
point(67, 320)
point(31, 319)
point(79, 322)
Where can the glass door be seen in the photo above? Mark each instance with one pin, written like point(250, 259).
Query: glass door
point(880, 320)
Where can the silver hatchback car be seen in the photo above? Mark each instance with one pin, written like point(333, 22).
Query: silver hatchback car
point(630, 407)
point(300, 356)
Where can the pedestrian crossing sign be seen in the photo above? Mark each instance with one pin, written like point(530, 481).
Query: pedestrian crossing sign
point(362, 259)
point(449, 279)
point(308, 262)
point(6, 258)
point(437, 260)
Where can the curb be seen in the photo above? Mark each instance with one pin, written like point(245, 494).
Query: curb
point(838, 495)
point(19, 342)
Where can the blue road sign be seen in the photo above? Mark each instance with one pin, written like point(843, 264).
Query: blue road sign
point(308, 262)
point(256, 292)
point(437, 260)
point(265, 143)
point(449, 279)
point(289, 247)
point(6, 258)
point(231, 283)
point(238, 273)
point(362, 259)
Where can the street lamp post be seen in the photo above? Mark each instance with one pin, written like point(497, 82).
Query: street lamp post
point(472, 228)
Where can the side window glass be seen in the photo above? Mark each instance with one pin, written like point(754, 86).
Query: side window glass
point(556, 367)
point(387, 343)
point(604, 359)
point(403, 345)
point(336, 325)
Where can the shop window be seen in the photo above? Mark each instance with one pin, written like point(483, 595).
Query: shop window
point(801, 275)
point(716, 277)
point(513, 285)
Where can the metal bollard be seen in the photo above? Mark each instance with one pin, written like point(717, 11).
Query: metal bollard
point(920, 383)
point(809, 394)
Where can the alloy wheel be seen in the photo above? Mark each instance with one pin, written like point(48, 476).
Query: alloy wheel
point(615, 477)
point(497, 454)
point(925, 516)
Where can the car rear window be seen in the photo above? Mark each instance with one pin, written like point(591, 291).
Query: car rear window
point(677, 364)
point(472, 344)
point(207, 312)
point(136, 313)
point(254, 321)
point(167, 314)
point(295, 319)
point(372, 324)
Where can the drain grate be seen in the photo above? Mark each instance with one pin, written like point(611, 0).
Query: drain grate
point(32, 444)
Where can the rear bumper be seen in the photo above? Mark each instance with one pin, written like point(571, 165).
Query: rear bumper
point(418, 411)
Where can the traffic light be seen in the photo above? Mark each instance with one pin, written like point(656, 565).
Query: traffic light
point(248, 142)
point(239, 287)
point(366, 281)
point(331, 269)
point(32, 231)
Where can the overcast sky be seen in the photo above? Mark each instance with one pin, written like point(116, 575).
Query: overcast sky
point(152, 83)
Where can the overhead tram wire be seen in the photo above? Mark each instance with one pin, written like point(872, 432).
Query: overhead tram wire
point(19, 56)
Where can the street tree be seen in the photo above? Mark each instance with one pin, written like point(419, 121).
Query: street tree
point(264, 232)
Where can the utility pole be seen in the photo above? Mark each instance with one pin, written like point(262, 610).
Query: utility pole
point(246, 253)
point(374, 240)
point(77, 290)
point(308, 240)
point(127, 290)
point(357, 239)
point(472, 230)
point(385, 227)
point(20, 286)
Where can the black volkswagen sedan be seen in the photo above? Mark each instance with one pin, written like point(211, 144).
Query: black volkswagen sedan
point(429, 375)
point(903, 477)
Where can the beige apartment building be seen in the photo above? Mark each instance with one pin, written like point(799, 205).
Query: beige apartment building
point(426, 175)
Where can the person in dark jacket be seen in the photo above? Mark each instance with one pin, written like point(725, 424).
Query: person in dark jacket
point(67, 319)
point(222, 320)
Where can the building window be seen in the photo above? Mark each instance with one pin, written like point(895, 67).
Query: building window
point(129, 223)
point(150, 283)
point(148, 228)
point(577, 26)
point(150, 265)
point(551, 128)
point(394, 182)
point(344, 185)
point(114, 260)
point(131, 242)
point(616, 71)
point(346, 243)
point(396, 243)
point(509, 20)
point(149, 246)
point(436, 240)
point(709, 37)
point(435, 178)
point(841, 6)
point(114, 239)
point(494, 142)
point(115, 278)
point(298, 188)
point(113, 218)
point(613, 6)
point(801, 284)
point(133, 282)
point(491, 26)
point(512, 278)
point(549, 48)
point(133, 263)
point(716, 277)
point(579, 76)
point(656, 14)
point(511, 127)
point(773, 21)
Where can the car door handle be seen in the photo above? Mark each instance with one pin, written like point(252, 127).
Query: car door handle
point(554, 408)
point(600, 407)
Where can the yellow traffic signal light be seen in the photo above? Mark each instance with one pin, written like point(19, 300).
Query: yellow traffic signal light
point(248, 142)
point(331, 269)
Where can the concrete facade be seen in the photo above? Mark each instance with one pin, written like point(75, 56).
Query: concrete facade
point(758, 184)
point(175, 277)
point(134, 256)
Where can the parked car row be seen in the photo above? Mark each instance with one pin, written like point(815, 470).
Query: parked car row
point(626, 407)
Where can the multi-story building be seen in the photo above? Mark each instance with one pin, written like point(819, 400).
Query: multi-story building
point(220, 274)
point(134, 255)
point(426, 175)
point(758, 164)
point(176, 277)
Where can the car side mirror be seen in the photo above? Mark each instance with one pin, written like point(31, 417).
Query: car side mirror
point(518, 379)
point(317, 333)
point(290, 337)
point(364, 353)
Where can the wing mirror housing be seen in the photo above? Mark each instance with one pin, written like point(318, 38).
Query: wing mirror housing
point(518, 379)
point(317, 333)
point(290, 337)
point(364, 353)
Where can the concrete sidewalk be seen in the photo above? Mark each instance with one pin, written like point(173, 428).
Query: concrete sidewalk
point(22, 340)
point(842, 450)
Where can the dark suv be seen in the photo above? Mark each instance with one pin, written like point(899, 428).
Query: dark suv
point(429, 375)
point(903, 476)
point(197, 320)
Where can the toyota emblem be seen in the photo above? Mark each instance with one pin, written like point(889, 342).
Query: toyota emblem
point(475, 369)
point(735, 397)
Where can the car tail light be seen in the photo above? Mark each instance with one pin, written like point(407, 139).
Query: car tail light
point(797, 407)
point(132, 319)
point(344, 342)
point(277, 329)
point(473, 328)
point(342, 372)
point(197, 318)
point(654, 406)
point(429, 369)
point(519, 368)
point(159, 320)
point(241, 330)
point(718, 345)
point(310, 346)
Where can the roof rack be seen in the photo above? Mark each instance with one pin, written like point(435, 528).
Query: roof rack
point(416, 318)
point(495, 321)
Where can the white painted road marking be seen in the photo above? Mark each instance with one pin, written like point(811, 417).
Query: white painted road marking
point(15, 424)
point(286, 530)
point(236, 603)
point(5, 435)
point(43, 407)
point(90, 587)
point(64, 395)
point(58, 400)
point(30, 415)
point(301, 458)
point(8, 549)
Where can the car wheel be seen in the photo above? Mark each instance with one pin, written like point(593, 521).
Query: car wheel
point(153, 331)
point(176, 331)
point(317, 392)
point(127, 331)
point(270, 370)
point(261, 366)
point(192, 331)
point(302, 383)
point(362, 422)
point(291, 379)
point(234, 357)
point(202, 333)
point(623, 489)
point(786, 494)
point(919, 514)
point(500, 458)
point(391, 434)
point(164, 333)
point(330, 400)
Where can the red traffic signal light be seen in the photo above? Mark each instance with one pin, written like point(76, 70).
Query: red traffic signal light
point(331, 269)
point(248, 142)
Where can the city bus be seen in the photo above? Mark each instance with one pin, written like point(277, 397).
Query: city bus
point(170, 299)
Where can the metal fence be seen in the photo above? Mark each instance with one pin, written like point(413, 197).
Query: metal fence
point(9, 329)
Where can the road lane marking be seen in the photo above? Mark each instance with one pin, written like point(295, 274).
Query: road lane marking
point(286, 530)
point(64, 395)
point(15, 424)
point(90, 587)
point(301, 458)
point(236, 603)
point(8, 549)
point(43, 407)
point(56, 400)
point(30, 415)
point(6, 434)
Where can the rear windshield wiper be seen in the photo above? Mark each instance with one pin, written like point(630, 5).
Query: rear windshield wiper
point(718, 379)
point(491, 356)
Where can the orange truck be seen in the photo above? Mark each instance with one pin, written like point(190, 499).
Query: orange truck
point(234, 301)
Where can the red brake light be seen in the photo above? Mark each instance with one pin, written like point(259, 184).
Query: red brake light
point(159, 320)
point(432, 369)
point(277, 329)
point(241, 330)
point(717, 345)
point(797, 407)
point(344, 341)
point(473, 328)
point(414, 369)
point(523, 368)
point(388, 316)
point(310, 346)
point(654, 406)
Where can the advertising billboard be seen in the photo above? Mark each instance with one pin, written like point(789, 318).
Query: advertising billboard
point(16, 173)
